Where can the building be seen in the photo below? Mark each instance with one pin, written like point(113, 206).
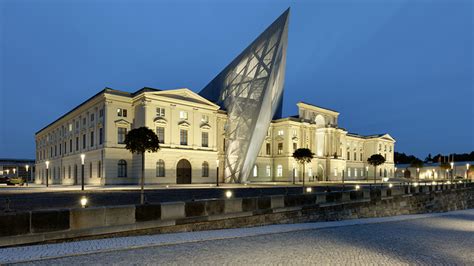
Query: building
point(24, 168)
point(436, 171)
point(233, 124)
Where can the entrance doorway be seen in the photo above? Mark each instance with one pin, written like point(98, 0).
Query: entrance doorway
point(183, 172)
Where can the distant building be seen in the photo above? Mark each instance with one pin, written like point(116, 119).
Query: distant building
point(17, 168)
point(434, 171)
point(234, 124)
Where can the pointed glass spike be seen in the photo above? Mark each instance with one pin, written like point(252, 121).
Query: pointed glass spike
point(250, 89)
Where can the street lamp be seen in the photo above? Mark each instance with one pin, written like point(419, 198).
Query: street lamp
point(467, 170)
point(27, 166)
point(83, 156)
point(217, 173)
point(452, 170)
point(47, 173)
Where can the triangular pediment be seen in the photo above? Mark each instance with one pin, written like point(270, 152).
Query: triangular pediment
point(186, 95)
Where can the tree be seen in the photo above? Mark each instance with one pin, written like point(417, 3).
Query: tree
point(141, 140)
point(376, 160)
point(303, 156)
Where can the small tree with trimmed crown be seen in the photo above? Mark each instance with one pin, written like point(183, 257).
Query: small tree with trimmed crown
point(303, 156)
point(140, 140)
point(376, 160)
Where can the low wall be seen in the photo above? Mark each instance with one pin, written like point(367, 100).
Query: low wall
point(54, 225)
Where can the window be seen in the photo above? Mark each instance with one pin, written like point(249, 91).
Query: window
point(205, 169)
point(101, 136)
point(84, 141)
point(92, 138)
point(280, 148)
point(348, 156)
point(280, 132)
point(70, 126)
point(121, 133)
point(269, 149)
point(384, 172)
point(160, 112)
point(77, 143)
point(361, 156)
point(92, 117)
point(183, 137)
point(90, 170)
point(205, 139)
point(65, 147)
point(295, 146)
point(122, 112)
point(355, 172)
point(294, 133)
point(84, 122)
point(255, 171)
point(70, 145)
point(355, 156)
point(160, 132)
point(101, 112)
point(205, 119)
point(55, 150)
point(348, 172)
point(99, 169)
point(279, 170)
point(160, 168)
point(122, 168)
point(60, 149)
point(380, 172)
point(268, 170)
point(75, 171)
point(77, 125)
point(310, 172)
point(183, 115)
point(69, 171)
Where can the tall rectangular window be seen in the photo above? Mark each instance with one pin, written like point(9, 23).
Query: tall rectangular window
point(101, 112)
point(160, 112)
point(160, 132)
point(348, 155)
point(295, 146)
point(280, 148)
point(83, 141)
point(77, 143)
point(92, 138)
point(92, 117)
point(101, 136)
point(268, 170)
point(279, 170)
point(355, 156)
point(65, 147)
point(99, 169)
point(205, 139)
point(183, 137)
point(60, 149)
point(121, 133)
point(269, 149)
point(90, 170)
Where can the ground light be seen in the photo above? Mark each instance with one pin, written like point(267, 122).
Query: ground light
point(433, 183)
point(309, 189)
point(228, 194)
point(357, 187)
point(390, 185)
point(84, 202)
point(415, 184)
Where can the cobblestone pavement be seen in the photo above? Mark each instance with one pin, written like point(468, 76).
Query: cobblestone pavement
point(446, 239)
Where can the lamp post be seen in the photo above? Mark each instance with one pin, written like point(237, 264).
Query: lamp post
point(26, 179)
point(217, 173)
point(467, 170)
point(47, 173)
point(452, 170)
point(83, 156)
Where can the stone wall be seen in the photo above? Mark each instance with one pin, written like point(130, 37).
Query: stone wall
point(56, 225)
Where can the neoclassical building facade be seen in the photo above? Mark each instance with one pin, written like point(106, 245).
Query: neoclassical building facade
point(191, 130)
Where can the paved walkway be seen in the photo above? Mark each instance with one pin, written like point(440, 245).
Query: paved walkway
point(442, 238)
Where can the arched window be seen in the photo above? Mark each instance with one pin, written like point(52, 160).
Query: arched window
point(255, 171)
point(122, 168)
point(205, 169)
point(160, 168)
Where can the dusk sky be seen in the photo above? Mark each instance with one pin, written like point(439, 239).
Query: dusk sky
point(403, 67)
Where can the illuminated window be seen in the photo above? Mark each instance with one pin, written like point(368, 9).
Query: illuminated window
point(122, 112)
point(268, 170)
point(183, 115)
point(255, 171)
point(279, 170)
point(280, 132)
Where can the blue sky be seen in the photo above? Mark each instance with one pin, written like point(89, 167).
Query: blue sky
point(399, 66)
